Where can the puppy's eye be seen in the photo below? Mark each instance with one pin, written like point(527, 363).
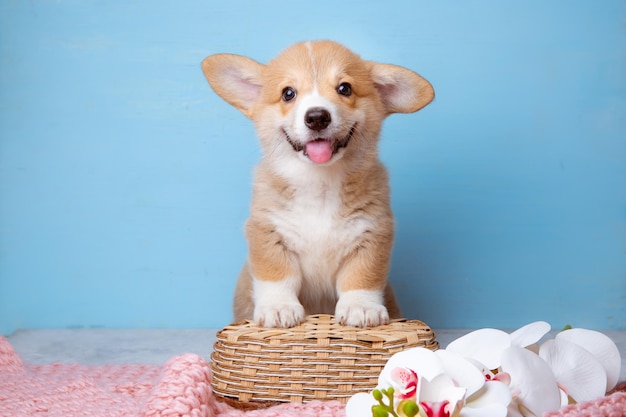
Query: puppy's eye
point(345, 89)
point(288, 94)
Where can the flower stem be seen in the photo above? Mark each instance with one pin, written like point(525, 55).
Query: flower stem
point(383, 410)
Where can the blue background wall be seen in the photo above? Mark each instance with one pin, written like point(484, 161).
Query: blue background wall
point(125, 182)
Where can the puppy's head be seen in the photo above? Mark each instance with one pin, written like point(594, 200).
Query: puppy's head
point(317, 102)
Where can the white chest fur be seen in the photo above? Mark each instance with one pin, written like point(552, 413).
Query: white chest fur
point(319, 231)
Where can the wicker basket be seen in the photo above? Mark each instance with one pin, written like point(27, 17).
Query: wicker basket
point(318, 360)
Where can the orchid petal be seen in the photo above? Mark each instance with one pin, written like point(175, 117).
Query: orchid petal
point(484, 345)
point(487, 373)
point(529, 334)
point(533, 379)
point(494, 392)
point(492, 410)
point(421, 360)
point(441, 388)
point(600, 346)
point(462, 371)
point(360, 405)
point(575, 368)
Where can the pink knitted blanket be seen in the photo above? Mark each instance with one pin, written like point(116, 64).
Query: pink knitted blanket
point(182, 387)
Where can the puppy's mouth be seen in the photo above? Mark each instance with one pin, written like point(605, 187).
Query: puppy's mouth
point(321, 150)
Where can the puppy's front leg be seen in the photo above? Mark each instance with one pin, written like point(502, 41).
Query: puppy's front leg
point(275, 281)
point(276, 303)
point(361, 286)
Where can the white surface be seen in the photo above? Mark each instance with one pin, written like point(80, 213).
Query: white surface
point(104, 346)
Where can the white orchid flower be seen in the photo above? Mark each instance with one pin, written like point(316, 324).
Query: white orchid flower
point(440, 397)
point(502, 357)
point(442, 383)
point(601, 347)
point(487, 345)
point(586, 363)
point(491, 373)
point(533, 385)
point(491, 401)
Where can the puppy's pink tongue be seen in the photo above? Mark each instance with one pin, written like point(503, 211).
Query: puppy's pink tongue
point(319, 151)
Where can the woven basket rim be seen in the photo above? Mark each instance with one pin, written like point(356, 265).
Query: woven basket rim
point(323, 326)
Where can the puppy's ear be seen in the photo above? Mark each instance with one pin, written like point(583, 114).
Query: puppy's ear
point(402, 90)
point(235, 78)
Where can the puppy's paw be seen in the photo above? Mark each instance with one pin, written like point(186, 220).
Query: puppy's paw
point(276, 303)
point(279, 315)
point(361, 308)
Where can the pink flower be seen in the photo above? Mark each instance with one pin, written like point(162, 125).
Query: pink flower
point(406, 380)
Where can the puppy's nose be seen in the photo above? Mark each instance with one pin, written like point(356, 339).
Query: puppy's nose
point(317, 118)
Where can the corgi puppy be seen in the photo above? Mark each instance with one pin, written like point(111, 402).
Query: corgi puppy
point(320, 231)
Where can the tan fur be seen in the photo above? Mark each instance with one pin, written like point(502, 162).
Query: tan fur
point(328, 226)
